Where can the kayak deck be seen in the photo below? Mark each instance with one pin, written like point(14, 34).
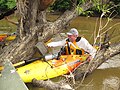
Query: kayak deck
point(42, 70)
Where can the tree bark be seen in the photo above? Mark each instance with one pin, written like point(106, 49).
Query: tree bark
point(51, 85)
point(33, 27)
point(101, 56)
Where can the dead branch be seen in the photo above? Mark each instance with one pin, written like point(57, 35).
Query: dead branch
point(51, 85)
point(11, 21)
point(102, 56)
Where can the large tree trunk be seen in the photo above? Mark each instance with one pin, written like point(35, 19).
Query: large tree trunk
point(34, 27)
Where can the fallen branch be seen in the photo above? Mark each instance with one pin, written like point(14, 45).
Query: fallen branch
point(102, 56)
point(51, 85)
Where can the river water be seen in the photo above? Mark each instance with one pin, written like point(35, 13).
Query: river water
point(87, 26)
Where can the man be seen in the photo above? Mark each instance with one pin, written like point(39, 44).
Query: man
point(74, 44)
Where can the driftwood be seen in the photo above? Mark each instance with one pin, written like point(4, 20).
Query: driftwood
point(102, 56)
point(51, 85)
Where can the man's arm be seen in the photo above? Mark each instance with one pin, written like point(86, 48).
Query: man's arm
point(83, 43)
point(55, 44)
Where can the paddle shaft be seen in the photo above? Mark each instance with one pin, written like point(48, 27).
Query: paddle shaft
point(45, 58)
point(24, 62)
point(33, 59)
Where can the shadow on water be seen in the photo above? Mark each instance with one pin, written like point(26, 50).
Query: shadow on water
point(86, 27)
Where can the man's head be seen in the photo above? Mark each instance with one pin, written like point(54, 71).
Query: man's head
point(72, 34)
point(72, 31)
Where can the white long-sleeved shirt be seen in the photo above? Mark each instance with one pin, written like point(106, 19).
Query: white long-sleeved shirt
point(83, 43)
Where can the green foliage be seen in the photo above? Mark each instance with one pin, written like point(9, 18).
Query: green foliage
point(98, 7)
point(106, 8)
point(61, 5)
point(80, 11)
point(11, 3)
point(7, 4)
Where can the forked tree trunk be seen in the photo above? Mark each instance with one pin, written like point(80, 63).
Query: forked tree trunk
point(34, 27)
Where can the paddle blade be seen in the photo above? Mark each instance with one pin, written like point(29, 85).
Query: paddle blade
point(42, 48)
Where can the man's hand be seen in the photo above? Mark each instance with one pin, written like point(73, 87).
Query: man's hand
point(49, 45)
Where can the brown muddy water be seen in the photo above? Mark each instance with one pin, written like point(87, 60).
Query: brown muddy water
point(87, 26)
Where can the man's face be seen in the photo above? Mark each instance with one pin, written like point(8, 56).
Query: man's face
point(72, 38)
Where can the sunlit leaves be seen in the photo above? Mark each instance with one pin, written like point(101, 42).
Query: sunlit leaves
point(10, 4)
point(79, 9)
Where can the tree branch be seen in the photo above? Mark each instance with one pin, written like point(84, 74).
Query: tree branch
point(59, 25)
point(51, 85)
point(102, 56)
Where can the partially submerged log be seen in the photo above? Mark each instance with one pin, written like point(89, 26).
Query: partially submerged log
point(51, 85)
point(102, 56)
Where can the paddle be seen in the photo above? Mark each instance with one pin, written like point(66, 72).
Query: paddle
point(27, 61)
point(43, 50)
point(44, 58)
point(24, 62)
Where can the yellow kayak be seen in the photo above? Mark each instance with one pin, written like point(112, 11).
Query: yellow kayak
point(42, 70)
point(7, 37)
point(10, 38)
